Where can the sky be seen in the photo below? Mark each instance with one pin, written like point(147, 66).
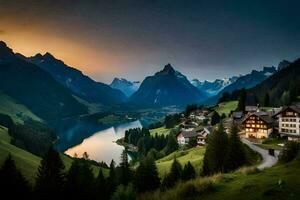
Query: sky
point(203, 39)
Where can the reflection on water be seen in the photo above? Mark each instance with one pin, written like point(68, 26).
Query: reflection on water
point(101, 145)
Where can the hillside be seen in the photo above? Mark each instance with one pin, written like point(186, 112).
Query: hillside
point(80, 84)
point(277, 183)
point(194, 155)
point(25, 161)
point(226, 107)
point(35, 88)
point(282, 87)
point(15, 110)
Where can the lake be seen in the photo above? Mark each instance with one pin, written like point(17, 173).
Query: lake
point(101, 145)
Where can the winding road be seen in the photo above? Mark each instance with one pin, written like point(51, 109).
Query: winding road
point(267, 160)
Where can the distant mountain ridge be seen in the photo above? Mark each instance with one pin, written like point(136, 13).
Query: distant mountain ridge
point(80, 84)
point(166, 87)
point(282, 87)
point(127, 87)
point(213, 87)
point(244, 81)
point(35, 88)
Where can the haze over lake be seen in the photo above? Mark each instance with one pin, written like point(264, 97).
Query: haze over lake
point(101, 146)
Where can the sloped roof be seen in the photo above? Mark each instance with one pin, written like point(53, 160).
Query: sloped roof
point(237, 114)
point(294, 108)
point(189, 134)
point(262, 115)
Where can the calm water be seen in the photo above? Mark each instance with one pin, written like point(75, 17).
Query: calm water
point(101, 145)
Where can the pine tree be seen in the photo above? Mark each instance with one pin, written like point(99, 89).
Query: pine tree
point(188, 172)
point(80, 179)
point(125, 172)
point(50, 177)
point(172, 144)
point(285, 98)
point(176, 171)
point(216, 151)
point(166, 183)
point(112, 179)
point(12, 183)
point(236, 156)
point(242, 100)
point(101, 189)
point(215, 118)
point(267, 100)
point(146, 177)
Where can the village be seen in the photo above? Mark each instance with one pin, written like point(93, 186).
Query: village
point(255, 123)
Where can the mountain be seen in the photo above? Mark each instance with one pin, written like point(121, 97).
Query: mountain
point(127, 87)
point(34, 88)
point(244, 81)
point(167, 87)
point(80, 84)
point(283, 64)
point(250, 80)
point(214, 87)
point(283, 87)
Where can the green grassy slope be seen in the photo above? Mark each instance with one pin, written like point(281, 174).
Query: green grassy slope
point(194, 155)
point(16, 111)
point(27, 162)
point(226, 107)
point(160, 131)
point(281, 182)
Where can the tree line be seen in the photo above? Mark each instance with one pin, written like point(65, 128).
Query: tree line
point(32, 136)
point(79, 182)
point(157, 145)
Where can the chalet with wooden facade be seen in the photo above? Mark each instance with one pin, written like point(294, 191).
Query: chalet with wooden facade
point(184, 136)
point(258, 125)
point(289, 122)
point(202, 136)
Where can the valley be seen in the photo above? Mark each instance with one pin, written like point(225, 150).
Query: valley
point(189, 139)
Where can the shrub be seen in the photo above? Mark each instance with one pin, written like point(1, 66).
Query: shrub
point(289, 152)
point(124, 193)
point(248, 170)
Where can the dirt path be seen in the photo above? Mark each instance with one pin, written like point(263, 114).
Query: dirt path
point(267, 160)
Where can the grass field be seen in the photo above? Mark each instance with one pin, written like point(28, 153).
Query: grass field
point(272, 144)
point(16, 111)
point(194, 155)
point(160, 131)
point(226, 107)
point(280, 182)
point(26, 162)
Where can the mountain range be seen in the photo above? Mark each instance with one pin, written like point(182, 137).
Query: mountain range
point(35, 88)
point(212, 88)
point(166, 87)
point(127, 87)
point(244, 81)
point(80, 84)
point(53, 90)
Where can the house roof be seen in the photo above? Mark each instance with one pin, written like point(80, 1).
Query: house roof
point(294, 108)
point(262, 115)
point(237, 114)
point(189, 134)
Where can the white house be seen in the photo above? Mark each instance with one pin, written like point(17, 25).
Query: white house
point(289, 122)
